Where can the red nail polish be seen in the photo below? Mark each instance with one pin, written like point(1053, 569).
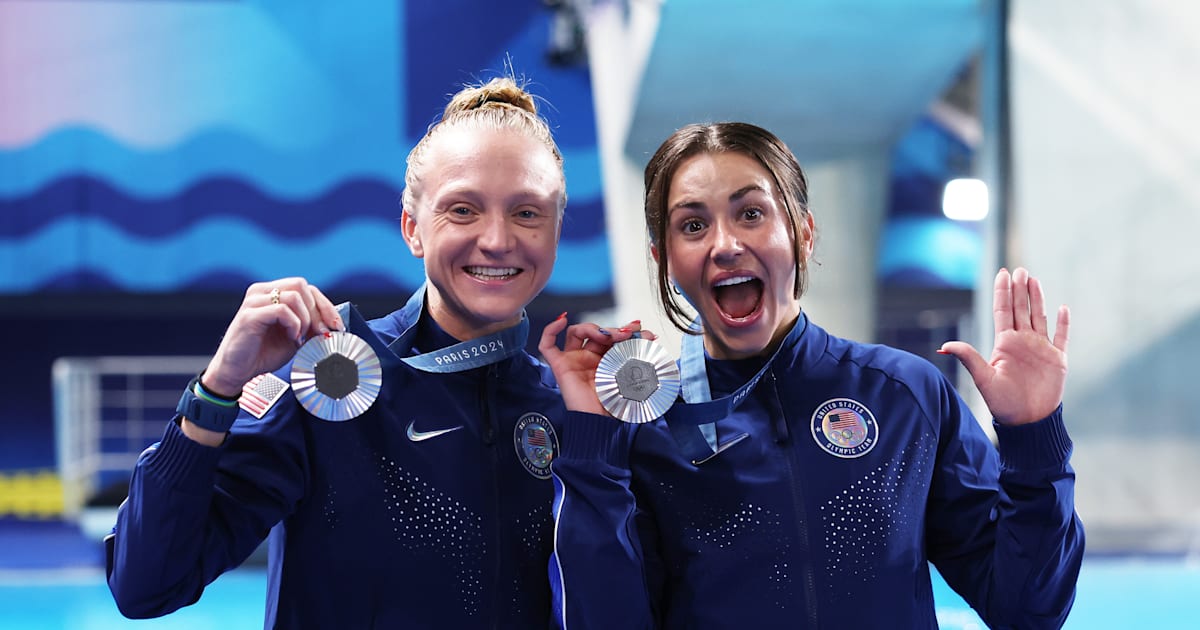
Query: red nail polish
point(942, 352)
point(564, 314)
point(328, 334)
point(625, 329)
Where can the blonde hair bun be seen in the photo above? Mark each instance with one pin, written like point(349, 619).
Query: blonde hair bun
point(499, 92)
point(500, 104)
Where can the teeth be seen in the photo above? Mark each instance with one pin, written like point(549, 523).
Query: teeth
point(493, 272)
point(731, 281)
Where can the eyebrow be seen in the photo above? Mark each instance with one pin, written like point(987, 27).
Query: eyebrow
point(521, 196)
point(734, 196)
point(745, 190)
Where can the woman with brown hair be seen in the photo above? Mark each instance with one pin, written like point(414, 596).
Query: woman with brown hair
point(804, 481)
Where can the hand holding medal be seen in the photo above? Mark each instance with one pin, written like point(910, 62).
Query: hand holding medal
point(623, 373)
point(276, 318)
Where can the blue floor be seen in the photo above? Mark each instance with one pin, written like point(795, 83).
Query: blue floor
point(66, 590)
point(80, 600)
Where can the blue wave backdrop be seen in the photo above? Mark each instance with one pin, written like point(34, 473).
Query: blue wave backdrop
point(251, 140)
point(157, 157)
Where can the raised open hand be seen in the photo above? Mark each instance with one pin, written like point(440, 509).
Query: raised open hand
point(1025, 378)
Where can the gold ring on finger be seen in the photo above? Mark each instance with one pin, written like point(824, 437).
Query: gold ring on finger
point(275, 295)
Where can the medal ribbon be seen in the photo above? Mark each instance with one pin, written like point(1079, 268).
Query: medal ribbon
point(693, 422)
point(462, 356)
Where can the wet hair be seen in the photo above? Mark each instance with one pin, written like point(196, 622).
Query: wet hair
point(501, 103)
point(721, 137)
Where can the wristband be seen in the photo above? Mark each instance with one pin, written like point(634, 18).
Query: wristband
point(205, 409)
point(217, 399)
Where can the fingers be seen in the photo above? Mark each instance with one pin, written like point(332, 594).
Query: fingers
point(1020, 299)
point(628, 331)
point(1037, 307)
point(1002, 302)
point(324, 310)
point(976, 365)
point(1028, 293)
point(1062, 328)
point(633, 329)
point(268, 305)
point(295, 305)
point(599, 339)
point(587, 336)
point(548, 344)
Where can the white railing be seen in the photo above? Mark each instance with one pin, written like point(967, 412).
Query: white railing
point(107, 410)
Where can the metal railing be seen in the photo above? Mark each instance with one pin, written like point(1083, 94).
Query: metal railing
point(107, 410)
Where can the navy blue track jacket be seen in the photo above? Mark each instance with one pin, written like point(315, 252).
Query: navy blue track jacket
point(383, 521)
point(847, 470)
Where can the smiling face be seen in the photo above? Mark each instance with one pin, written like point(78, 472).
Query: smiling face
point(729, 249)
point(486, 223)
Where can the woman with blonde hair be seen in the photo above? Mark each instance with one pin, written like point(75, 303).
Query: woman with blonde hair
point(432, 507)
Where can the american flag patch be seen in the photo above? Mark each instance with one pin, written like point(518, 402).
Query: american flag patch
point(843, 420)
point(261, 393)
point(536, 436)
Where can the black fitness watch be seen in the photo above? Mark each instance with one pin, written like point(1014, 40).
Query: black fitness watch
point(205, 413)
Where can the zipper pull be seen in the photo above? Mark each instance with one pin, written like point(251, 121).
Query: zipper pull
point(778, 419)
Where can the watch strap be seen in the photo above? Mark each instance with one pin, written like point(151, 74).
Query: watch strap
point(205, 409)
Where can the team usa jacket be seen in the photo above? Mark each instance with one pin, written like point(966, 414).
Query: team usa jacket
point(431, 510)
point(847, 470)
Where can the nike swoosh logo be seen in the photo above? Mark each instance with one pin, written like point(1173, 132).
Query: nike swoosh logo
point(421, 436)
point(722, 448)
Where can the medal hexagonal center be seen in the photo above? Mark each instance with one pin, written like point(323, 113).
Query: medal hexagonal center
point(637, 380)
point(336, 375)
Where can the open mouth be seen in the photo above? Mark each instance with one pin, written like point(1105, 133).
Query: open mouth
point(488, 274)
point(739, 297)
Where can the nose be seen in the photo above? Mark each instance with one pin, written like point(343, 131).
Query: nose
point(726, 244)
point(496, 235)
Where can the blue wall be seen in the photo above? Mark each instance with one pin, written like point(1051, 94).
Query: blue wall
point(155, 158)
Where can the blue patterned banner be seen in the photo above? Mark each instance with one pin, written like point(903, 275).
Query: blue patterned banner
point(182, 146)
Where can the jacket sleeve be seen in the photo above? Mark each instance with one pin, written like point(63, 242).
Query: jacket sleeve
point(598, 571)
point(1002, 528)
point(195, 511)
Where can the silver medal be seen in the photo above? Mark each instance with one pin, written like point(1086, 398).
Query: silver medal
point(636, 381)
point(337, 376)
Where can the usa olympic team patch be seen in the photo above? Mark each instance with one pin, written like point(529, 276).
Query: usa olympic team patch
point(844, 428)
point(536, 444)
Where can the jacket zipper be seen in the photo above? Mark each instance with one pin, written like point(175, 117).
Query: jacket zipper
point(807, 575)
point(489, 439)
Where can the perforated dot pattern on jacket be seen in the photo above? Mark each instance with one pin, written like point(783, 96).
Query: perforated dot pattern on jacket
point(426, 519)
point(536, 528)
point(749, 530)
point(861, 521)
